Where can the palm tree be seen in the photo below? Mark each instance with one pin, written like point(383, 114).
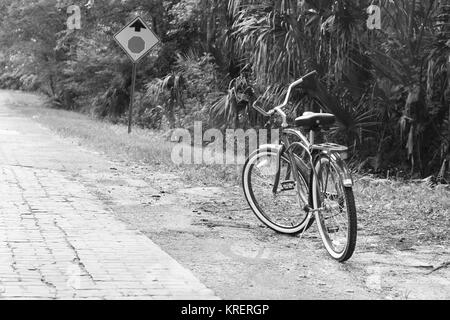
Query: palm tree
point(171, 87)
point(281, 40)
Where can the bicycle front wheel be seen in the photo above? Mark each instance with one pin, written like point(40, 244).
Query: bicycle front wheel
point(337, 220)
point(280, 207)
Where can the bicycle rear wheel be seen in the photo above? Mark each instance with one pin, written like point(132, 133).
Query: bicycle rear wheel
point(337, 221)
point(282, 210)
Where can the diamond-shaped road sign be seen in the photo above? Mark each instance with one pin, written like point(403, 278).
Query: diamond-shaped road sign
point(136, 39)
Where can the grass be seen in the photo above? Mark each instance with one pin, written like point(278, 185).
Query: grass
point(401, 214)
point(404, 214)
point(142, 146)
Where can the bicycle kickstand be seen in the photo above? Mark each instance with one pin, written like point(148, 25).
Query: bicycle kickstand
point(308, 219)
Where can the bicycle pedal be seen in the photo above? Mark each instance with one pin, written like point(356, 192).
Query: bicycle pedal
point(333, 229)
point(288, 185)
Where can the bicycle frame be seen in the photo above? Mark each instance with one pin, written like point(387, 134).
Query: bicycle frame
point(312, 151)
point(288, 147)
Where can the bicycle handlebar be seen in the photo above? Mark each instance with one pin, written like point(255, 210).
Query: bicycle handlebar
point(286, 100)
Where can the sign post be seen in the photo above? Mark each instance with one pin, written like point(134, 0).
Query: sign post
point(136, 39)
point(133, 85)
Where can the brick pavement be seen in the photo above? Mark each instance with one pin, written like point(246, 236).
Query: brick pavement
point(59, 241)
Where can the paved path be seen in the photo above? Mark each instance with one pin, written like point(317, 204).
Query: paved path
point(58, 241)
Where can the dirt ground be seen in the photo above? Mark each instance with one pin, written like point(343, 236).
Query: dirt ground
point(211, 231)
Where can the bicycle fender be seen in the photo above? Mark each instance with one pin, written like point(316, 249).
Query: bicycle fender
point(277, 148)
point(344, 172)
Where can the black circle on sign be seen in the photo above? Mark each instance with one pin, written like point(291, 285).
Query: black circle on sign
point(136, 45)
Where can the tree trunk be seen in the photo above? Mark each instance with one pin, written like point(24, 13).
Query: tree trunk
point(52, 87)
point(210, 24)
point(170, 115)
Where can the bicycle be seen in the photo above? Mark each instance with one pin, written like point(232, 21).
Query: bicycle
point(277, 178)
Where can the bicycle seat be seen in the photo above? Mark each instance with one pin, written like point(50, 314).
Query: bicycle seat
point(314, 121)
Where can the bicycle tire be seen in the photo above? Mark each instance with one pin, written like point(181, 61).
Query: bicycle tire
point(257, 207)
point(325, 229)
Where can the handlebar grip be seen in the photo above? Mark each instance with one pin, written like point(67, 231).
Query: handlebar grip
point(260, 110)
point(309, 74)
point(299, 81)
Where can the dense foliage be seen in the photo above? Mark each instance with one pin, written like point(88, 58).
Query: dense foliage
point(390, 87)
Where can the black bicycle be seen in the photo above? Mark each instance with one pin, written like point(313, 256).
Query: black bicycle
point(290, 185)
